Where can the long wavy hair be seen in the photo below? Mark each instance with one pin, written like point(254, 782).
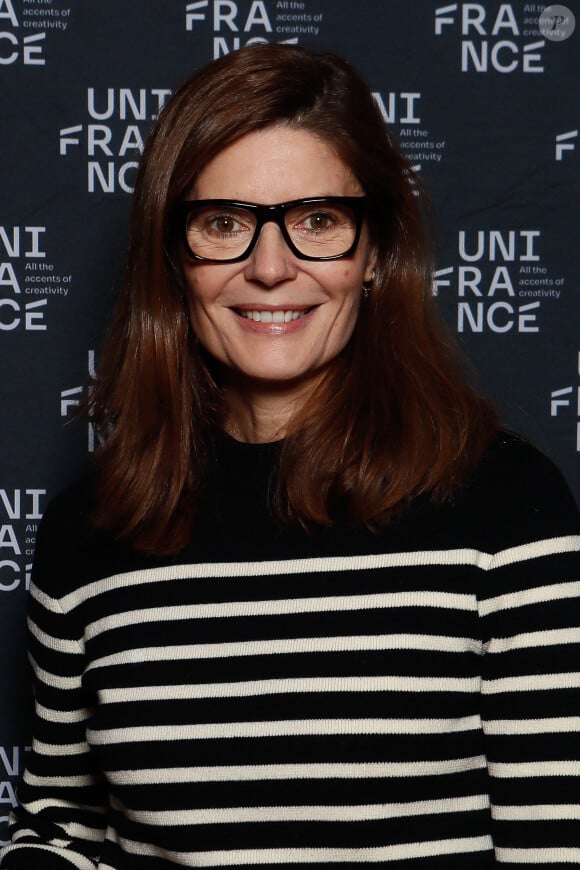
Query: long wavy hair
point(391, 418)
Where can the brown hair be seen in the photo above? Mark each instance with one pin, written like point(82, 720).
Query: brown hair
point(391, 419)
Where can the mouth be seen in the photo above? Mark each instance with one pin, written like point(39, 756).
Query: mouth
point(285, 315)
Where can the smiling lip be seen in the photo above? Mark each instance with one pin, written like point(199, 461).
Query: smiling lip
point(273, 319)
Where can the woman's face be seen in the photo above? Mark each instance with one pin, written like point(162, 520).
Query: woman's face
point(275, 165)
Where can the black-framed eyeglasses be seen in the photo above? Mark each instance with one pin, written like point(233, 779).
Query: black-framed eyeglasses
point(226, 231)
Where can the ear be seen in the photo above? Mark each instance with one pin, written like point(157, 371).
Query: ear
point(371, 264)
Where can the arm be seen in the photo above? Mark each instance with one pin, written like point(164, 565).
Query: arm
point(530, 612)
point(61, 818)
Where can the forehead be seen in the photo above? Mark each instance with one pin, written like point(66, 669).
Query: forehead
point(275, 164)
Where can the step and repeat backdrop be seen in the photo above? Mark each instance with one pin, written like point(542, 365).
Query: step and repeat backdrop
point(483, 98)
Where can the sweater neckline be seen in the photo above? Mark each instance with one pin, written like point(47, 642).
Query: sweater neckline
point(227, 443)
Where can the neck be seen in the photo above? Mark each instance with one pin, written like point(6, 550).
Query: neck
point(261, 412)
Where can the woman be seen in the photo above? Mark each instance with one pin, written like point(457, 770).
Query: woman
point(313, 607)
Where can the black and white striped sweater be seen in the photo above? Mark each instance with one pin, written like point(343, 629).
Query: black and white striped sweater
point(271, 698)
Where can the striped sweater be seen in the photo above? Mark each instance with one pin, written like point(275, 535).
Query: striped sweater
point(272, 698)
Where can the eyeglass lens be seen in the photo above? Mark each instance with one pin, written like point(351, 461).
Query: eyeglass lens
point(321, 229)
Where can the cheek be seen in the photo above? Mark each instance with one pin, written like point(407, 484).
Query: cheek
point(193, 281)
point(349, 286)
point(208, 284)
point(198, 303)
point(200, 290)
point(352, 272)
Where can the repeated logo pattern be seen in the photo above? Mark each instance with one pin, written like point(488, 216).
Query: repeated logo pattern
point(480, 97)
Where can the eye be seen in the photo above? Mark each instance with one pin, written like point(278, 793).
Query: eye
point(224, 224)
point(318, 221)
point(207, 220)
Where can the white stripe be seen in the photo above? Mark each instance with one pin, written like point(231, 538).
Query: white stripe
point(55, 680)
point(55, 644)
point(50, 803)
point(505, 770)
point(346, 813)
point(366, 562)
point(537, 595)
point(373, 855)
point(78, 861)
point(273, 568)
point(531, 683)
point(82, 832)
point(538, 813)
point(53, 605)
point(529, 639)
point(565, 725)
point(63, 716)
point(290, 646)
point(62, 749)
point(277, 607)
point(270, 772)
point(62, 781)
point(553, 855)
point(21, 833)
point(535, 550)
point(297, 685)
point(285, 728)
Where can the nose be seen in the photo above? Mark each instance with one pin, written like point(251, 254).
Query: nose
point(271, 262)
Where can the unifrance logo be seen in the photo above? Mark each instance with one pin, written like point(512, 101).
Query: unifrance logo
point(112, 137)
point(416, 142)
point(566, 400)
point(27, 280)
point(71, 398)
point(399, 108)
point(492, 40)
point(234, 23)
point(11, 767)
point(565, 142)
point(505, 291)
point(20, 512)
point(23, 39)
point(15, 47)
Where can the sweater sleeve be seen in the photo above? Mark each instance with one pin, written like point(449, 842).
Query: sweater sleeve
point(530, 614)
point(61, 818)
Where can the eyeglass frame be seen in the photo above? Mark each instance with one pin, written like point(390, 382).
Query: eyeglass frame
point(273, 213)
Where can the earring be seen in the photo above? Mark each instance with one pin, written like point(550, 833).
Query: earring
point(368, 285)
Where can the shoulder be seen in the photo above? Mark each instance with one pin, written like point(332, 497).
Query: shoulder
point(518, 495)
point(69, 551)
point(68, 511)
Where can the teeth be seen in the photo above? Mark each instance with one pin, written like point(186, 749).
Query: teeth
point(272, 316)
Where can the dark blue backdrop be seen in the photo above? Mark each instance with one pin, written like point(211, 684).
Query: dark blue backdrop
point(483, 98)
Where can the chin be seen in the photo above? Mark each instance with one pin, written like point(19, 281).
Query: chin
point(277, 370)
point(285, 377)
point(274, 376)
